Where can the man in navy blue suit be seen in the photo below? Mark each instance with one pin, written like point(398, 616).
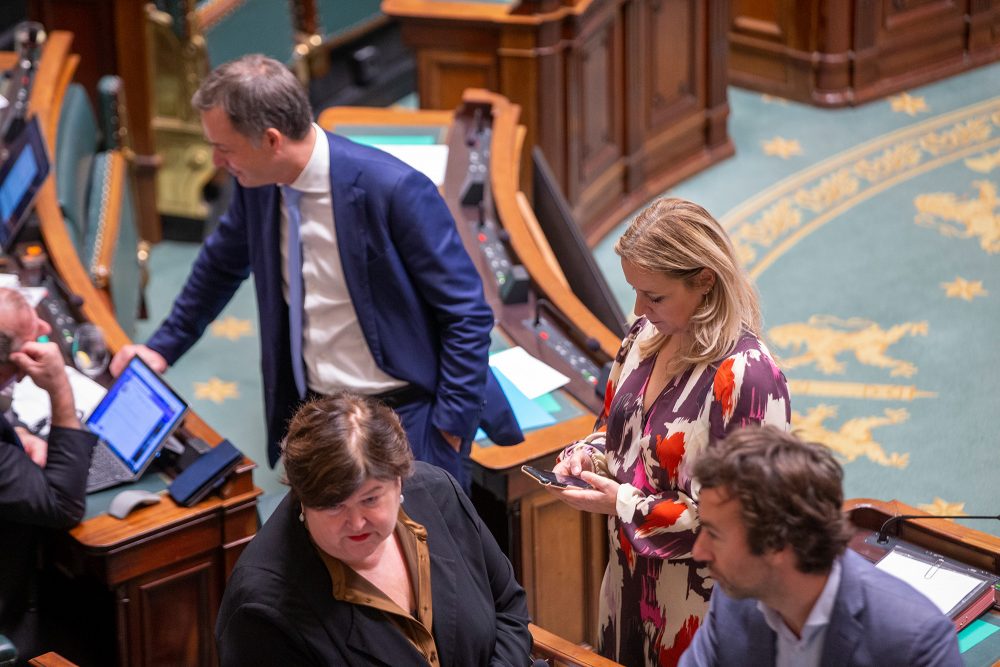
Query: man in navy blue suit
point(773, 535)
point(378, 295)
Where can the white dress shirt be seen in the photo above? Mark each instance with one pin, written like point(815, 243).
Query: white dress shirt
point(334, 348)
point(807, 650)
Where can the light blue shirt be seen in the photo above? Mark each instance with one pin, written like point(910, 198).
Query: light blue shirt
point(807, 650)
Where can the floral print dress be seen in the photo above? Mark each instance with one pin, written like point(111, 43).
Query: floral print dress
point(654, 596)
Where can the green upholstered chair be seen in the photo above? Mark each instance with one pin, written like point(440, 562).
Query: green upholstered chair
point(77, 144)
point(251, 26)
point(337, 17)
point(8, 654)
point(95, 192)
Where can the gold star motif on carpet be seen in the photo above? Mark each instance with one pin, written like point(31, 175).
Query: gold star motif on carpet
point(783, 148)
point(960, 288)
point(908, 104)
point(984, 163)
point(943, 508)
point(216, 390)
point(231, 328)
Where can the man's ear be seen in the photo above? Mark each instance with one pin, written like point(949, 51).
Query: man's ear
point(273, 138)
point(784, 557)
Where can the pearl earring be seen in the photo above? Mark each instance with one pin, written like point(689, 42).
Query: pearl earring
point(401, 498)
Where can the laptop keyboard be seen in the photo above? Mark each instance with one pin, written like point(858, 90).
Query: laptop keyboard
point(105, 468)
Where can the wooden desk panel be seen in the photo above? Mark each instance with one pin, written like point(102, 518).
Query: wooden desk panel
point(970, 546)
point(838, 52)
point(625, 97)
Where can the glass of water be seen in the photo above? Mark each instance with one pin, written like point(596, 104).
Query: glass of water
point(90, 351)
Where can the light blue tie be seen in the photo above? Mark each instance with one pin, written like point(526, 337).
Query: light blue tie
point(292, 198)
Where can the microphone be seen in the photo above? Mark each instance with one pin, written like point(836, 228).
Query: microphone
point(883, 537)
point(28, 36)
point(475, 128)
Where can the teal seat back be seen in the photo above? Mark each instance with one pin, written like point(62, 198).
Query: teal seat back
point(77, 142)
point(254, 26)
point(337, 17)
point(89, 193)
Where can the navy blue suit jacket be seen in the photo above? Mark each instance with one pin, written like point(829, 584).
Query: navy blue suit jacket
point(877, 621)
point(279, 609)
point(417, 295)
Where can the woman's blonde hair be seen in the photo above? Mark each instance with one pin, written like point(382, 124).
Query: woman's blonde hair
point(678, 238)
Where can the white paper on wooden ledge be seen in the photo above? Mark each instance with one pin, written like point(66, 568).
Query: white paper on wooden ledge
point(530, 375)
point(944, 587)
point(428, 160)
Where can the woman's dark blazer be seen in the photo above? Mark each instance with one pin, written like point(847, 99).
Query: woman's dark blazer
point(278, 608)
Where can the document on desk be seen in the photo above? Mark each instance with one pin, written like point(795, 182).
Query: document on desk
point(530, 375)
point(31, 403)
point(945, 587)
point(430, 160)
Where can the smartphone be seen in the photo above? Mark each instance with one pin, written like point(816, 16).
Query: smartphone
point(549, 478)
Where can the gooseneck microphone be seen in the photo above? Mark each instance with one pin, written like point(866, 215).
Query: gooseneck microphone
point(28, 38)
point(883, 537)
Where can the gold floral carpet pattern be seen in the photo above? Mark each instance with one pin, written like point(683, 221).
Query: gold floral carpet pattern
point(876, 249)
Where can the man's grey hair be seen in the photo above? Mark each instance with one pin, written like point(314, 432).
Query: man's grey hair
point(257, 93)
point(12, 308)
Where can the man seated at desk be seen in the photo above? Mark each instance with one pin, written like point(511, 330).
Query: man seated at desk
point(42, 484)
point(773, 535)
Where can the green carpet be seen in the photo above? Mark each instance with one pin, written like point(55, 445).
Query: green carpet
point(873, 235)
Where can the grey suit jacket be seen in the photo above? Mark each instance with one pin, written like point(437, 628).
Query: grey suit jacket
point(877, 621)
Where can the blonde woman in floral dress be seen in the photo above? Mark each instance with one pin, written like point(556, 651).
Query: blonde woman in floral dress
point(691, 369)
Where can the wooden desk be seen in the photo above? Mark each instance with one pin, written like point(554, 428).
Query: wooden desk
point(837, 52)
point(966, 545)
point(559, 554)
point(625, 97)
point(970, 546)
point(162, 570)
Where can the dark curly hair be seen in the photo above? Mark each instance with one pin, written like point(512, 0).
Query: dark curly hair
point(790, 493)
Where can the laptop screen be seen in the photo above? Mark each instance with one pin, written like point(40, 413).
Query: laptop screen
point(21, 176)
point(137, 415)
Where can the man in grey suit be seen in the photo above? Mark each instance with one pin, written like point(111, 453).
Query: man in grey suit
point(773, 536)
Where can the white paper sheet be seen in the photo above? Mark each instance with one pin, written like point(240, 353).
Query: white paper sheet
point(431, 160)
point(31, 404)
point(531, 376)
point(943, 586)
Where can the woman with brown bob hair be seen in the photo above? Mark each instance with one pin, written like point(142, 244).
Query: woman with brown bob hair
point(371, 558)
point(691, 369)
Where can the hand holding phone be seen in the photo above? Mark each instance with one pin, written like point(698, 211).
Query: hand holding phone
point(554, 479)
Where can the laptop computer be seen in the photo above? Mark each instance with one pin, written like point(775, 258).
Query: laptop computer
point(133, 422)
